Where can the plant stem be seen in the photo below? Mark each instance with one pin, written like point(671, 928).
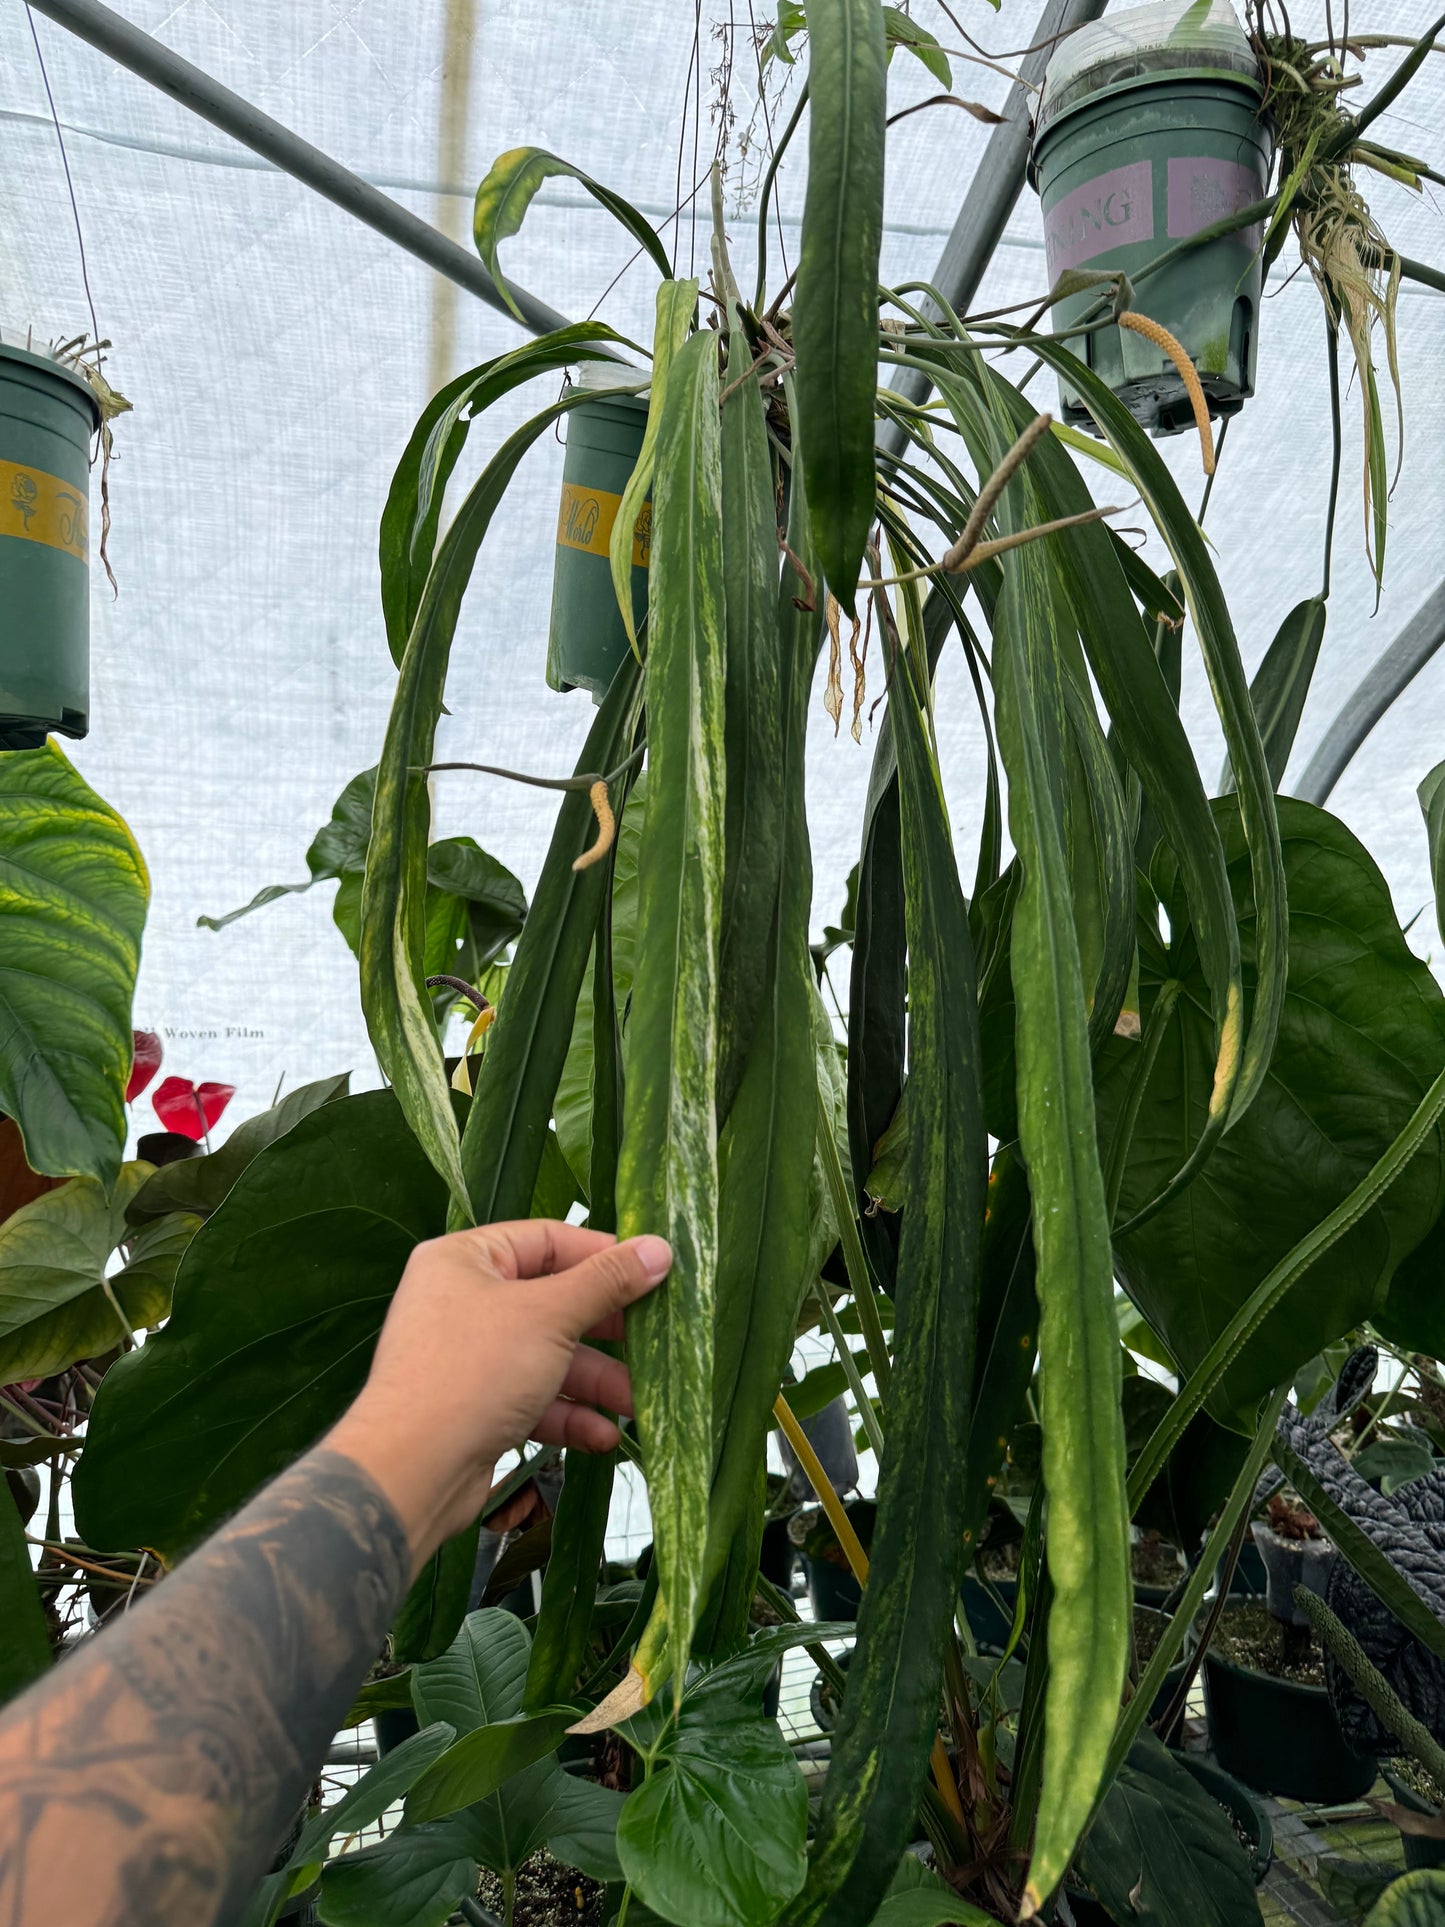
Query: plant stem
point(509, 1898)
point(1138, 1083)
point(857, 1265)
point(764, 196)
point(621, 1920)
point(839, 1337)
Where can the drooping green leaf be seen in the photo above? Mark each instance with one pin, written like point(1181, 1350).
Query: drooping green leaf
point(277, 1306)
point(337, 850)
point(766, 1154)
point(72, 908)
point(1008, 1324)
point(889, 1719)
point(380, 1787)
point(835, 306)
point(1281, 684)
point(569, 1585)
point(199, 1185)
point(25, 1644)
point(1220, 650)
point(1162, 1851)
point(511, 186)
point(675, 308)
point(667, 1168)
point(482, 1760)
point(1432, 803)
point(716, 1833)
point(1078, 1346)
point(56, 1304)
point(903, 31)
point(393, 913)
point(414, 501)
point(508, 1123)
point(437, 1600)
point(1361, 1034)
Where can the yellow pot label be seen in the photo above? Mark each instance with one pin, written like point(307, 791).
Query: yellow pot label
point(586, 518)
point(38, 507)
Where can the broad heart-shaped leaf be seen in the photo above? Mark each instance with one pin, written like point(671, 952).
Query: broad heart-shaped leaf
point(482, 1760)
point(1415, 1900)
point(1362, 1035)
point(73, 895)
point(199, 1185)
point(54, 1308)
point(835, 309)
point(1161, 1851)
point(277, 1307)
point(413, 1879)
point(478, 1680)
point(919, 1898)
point(716, 1835)
point(25, 1644)
point(511, 186)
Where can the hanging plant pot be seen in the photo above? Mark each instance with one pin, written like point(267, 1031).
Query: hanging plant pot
point(1279, 1735)
point(1149, 130)
point(47, 418)
point(588, 641)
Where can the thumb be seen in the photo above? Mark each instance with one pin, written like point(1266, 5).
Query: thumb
point(612, 1279)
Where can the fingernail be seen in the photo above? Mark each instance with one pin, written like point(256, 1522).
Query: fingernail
point(654, 1255)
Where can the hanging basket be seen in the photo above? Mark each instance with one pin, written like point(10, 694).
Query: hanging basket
point(588, 641)
point(48, 416)
point(1149, 129)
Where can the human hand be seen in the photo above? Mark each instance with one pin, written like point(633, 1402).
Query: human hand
point(480, 1351)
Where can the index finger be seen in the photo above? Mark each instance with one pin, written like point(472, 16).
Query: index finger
point(537, 1247)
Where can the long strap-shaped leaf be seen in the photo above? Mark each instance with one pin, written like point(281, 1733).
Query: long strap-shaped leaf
point(759, 712)
point(1236, 713)
point(835, 308)
point(765, 1219)
point(506, 1129)
point(667, 1169)
point(889, 1722)
point(393, 901)
point(414, 500)
point(1088, 1524)
point(1143, 713)
point(675, 305)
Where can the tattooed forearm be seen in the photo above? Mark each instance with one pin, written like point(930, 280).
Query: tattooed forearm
point(152, 1776)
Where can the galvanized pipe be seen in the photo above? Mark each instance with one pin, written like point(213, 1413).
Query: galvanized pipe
point(1389, 677)
point(115, 36)
point(992, 194)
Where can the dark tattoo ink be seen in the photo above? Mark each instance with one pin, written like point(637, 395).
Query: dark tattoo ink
point(152, 1776)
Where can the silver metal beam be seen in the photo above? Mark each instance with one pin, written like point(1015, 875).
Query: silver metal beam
point(1389, 677)
point(113, 35)
point(992, 193)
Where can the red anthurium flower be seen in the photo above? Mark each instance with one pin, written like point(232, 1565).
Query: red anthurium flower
point(146, 1063)
point(191, 1109)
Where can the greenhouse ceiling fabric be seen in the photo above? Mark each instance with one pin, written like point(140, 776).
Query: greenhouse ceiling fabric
point(277, 353)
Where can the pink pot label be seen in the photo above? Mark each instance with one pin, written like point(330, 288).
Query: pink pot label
point(1202, 192)
point(1111, 211)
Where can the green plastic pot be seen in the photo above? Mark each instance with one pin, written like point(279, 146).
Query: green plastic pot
point(1133, 153)
point(1280, 1736)
point(587, 640)
point(47, 418)
point(1420, 1850)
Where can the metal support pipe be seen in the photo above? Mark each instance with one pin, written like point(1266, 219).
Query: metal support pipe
point(993, 193)
point(113, 35)
point(1389, 677)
